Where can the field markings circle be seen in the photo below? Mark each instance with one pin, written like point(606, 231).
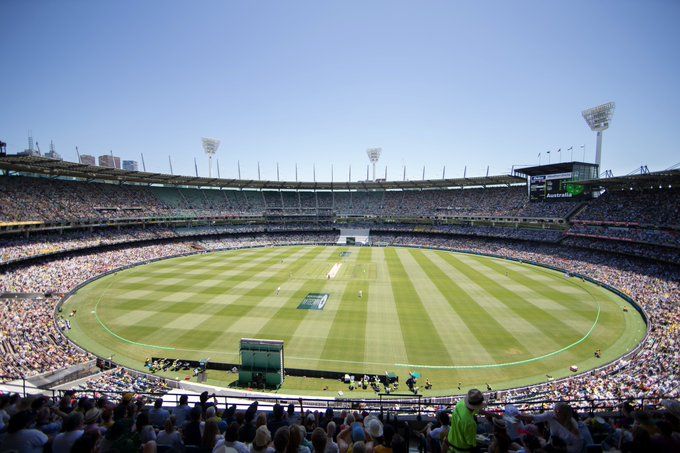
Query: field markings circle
point(407, 365)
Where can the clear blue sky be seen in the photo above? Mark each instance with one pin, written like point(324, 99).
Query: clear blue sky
point(433, 83)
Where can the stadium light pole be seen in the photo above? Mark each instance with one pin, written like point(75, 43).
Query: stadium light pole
point(210, 146)
point(598, 119)
point(373, 156)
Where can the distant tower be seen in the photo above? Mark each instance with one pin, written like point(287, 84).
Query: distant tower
point(598, 119)
point(373, 155)
point(31, 150)
point(210, 146)
point(52, 153)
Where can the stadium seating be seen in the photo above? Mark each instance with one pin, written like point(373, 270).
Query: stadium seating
point(24, 198)
point(601, 239)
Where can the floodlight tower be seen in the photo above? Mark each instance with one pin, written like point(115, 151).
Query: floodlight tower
point(210, 146)
point(598, 118)
point(373, 156)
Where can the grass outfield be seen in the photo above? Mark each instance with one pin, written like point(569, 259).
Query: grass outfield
point(452, 317)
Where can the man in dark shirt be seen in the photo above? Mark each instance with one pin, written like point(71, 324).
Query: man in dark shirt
point(278, 420)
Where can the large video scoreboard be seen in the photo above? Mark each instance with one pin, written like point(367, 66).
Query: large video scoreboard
point(555, 186)
point(559, 181)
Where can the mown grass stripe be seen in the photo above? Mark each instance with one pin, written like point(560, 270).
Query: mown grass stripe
point(285, 321)
point(186, 286)
point(551, 326)
point(519, 362)
point(267, 306)
point(410, 308)
point(448, 325)
point(487, 331)
point(384, 340)
point(245, 304)
point(554, 293)
point(168, 312)
point(348, 324)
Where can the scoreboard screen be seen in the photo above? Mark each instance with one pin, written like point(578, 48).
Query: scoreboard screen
point(557, 186)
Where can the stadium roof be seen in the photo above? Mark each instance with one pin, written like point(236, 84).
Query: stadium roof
point(663, 178)
point(561, 167)
point(59, 168)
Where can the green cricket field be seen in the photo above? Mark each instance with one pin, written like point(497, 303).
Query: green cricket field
point(452, 317)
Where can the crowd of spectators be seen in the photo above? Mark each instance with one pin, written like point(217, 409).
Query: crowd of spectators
point(86, 423)
point(46, 244)
point(30, 342)
point(43, 199)
point(61, 275)
point(668, 238)
point(505, 232)
point(644, 250)
point(658, 207)
point(43, 244)
point(117, 381)
point(640, 222)
point(80, 423)
point(53, 200)
point(656, 287)
point(473, 426)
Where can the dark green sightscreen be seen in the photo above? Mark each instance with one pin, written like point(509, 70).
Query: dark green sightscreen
point(261, 363)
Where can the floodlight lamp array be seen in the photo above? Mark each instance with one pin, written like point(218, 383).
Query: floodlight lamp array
point(373, 154)
point(210, 145)
point(598, 118)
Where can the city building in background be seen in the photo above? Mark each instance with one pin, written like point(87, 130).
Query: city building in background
point(130, 165)
point(88, 159)
point(109, 160)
